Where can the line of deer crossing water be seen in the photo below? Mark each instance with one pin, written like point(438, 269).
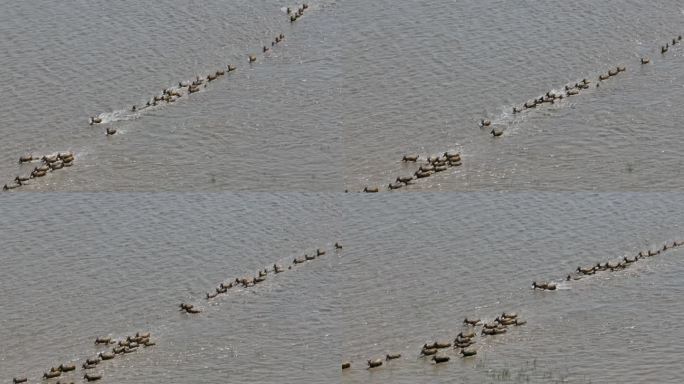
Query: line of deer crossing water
point(614, 265)
point(497, 130)
point(251, 280)
point(91, 367)
point(465, 344)
point(47, 164)
point(169, 95)
point(199, 83)
point(132, 343)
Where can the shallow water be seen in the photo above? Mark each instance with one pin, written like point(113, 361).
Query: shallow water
point(421, 77)
point(416, 267)
point(88, 265)
point(270, 125)
point(136, 225)
point(353, 87)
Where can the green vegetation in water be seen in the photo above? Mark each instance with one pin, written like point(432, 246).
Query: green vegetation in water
point(527, 372)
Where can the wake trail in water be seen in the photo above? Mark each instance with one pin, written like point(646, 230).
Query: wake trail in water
point(119, 115)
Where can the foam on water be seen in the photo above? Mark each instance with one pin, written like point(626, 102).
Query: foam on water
point(117, 115)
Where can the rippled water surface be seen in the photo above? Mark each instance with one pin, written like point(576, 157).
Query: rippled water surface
point(420, 76)
point(353, 87)
point(250, 170)
point(87, 265)
point(269, 125)
point(76, 266)
point(415, 268)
